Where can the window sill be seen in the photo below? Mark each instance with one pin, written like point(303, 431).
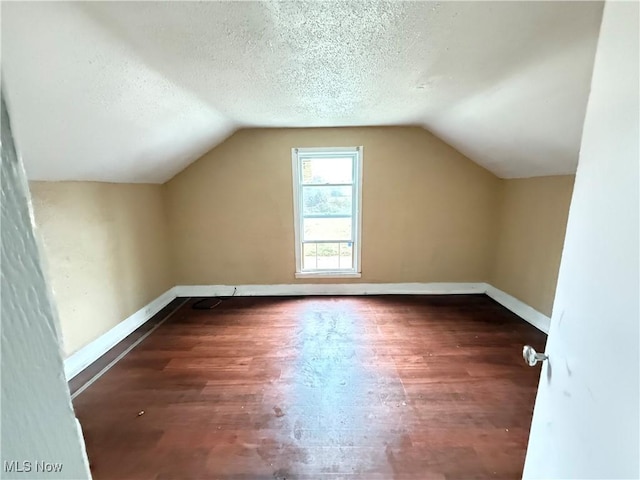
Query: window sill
point(328, 275)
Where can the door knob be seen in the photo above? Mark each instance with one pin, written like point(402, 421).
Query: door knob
point(531, 357)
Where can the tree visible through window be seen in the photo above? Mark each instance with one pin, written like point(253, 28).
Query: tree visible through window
point(327, 210)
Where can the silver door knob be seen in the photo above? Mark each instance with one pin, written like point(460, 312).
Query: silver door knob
point(531, 357)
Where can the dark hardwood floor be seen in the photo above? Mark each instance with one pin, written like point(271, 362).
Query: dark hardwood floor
point(387, 387)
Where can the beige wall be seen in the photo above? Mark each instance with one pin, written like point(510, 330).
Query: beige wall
point(107, 252)
point(429, 213)
point(531, 234)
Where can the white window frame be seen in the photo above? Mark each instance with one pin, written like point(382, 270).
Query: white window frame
point(297, 154)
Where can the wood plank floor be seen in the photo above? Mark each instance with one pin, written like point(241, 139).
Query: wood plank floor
point(388, 387)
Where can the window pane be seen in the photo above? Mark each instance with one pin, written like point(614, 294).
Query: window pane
point(327, 170)
point(346, 255)
point(327, 229)
point(328, 256)
point(326, 200)
point(309, 252)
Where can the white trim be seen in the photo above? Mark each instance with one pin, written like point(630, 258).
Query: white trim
point(330, 289)
point(358, 212)
point(94, 350)
point(328, 274)
point(357, 154)
point(123, 354)
point(321, 151)
point(524, 311)
point(295, 175)
point(88, 354)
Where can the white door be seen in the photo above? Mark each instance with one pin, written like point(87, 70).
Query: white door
point(586, 422)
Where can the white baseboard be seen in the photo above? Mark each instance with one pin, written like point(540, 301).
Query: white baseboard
point(524, 311)
point(94, 350)
point(88, 354)
point(330, 289)
point(527, 313)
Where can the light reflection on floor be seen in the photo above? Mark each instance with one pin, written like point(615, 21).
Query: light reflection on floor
point(342, 396)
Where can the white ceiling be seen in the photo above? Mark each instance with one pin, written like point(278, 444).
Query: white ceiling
point(134, 92)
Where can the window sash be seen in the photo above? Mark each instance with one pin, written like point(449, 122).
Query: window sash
point(299, 155)
point(329, 203)
point(326, 184)
point(340, 256)
point(327, 215)
point(321, 235)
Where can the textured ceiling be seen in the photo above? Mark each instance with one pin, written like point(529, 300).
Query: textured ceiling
point(134, 92)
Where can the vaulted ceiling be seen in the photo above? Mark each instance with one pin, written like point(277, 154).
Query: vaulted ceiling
point(134, 92)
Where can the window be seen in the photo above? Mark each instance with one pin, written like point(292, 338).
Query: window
point(326, 190)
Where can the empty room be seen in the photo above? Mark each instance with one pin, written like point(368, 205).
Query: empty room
point(320, 240)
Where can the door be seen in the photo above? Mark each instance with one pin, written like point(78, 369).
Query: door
point(585, 423)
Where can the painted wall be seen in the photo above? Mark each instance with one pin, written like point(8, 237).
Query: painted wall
point(37, 421)
point(428, 212)
point(107, 252)
point(429, 215)
point(531, 230)
point(586, 418)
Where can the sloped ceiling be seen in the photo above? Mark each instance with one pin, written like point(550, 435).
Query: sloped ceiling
point(134, 92)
